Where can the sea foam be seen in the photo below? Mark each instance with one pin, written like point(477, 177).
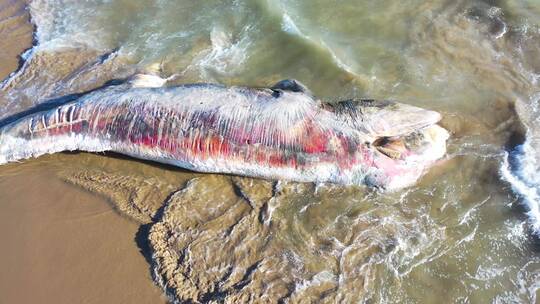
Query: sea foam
point(520, 169)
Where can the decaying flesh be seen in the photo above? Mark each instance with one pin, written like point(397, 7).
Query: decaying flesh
point(281, 132)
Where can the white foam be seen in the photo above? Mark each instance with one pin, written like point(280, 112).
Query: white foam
point(58, 25)
point(289, 26)
point(225, 56)
point(317, 280)
point(14, 149)
point(65, 25)
point(520, 169)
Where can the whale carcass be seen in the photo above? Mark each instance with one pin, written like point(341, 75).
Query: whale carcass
point(282, 132)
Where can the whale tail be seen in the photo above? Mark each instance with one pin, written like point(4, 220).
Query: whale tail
point(45, 130)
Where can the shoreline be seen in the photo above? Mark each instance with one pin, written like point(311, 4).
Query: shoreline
point(72, 221)
point(15, 28)
point(62, 244)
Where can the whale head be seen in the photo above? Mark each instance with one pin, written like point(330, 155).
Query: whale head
point(404, 140)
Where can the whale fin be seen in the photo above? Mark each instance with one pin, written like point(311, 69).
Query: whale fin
point(146, 81)
point(291, 85)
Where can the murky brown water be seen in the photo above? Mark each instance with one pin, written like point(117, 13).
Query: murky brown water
point(459, 235)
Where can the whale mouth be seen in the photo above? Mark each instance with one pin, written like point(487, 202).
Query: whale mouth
point(392, 147)
point(426, 144)
point(403, 159)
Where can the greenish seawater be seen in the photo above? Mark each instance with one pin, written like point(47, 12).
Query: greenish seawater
point(461, 235)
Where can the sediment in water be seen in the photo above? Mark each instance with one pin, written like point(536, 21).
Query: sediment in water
point(317, 243)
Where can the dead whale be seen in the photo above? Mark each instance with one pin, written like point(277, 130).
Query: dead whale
point(281, 132)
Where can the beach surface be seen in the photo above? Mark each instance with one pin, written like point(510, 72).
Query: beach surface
point(61, 244)
point(83, 227)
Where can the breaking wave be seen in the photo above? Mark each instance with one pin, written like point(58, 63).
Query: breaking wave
point(521, 171)
point(521, 166)
point(226, 238)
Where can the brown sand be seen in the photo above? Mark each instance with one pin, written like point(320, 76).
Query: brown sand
point(61, 244)
point(15, 34)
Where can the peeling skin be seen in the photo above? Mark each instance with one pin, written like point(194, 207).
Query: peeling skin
point(277, 133)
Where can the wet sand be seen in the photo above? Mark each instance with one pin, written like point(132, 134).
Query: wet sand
point(15, 34)
point(61, 244)
point(459, 234)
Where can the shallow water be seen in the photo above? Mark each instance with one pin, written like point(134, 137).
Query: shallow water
point(460, 234)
